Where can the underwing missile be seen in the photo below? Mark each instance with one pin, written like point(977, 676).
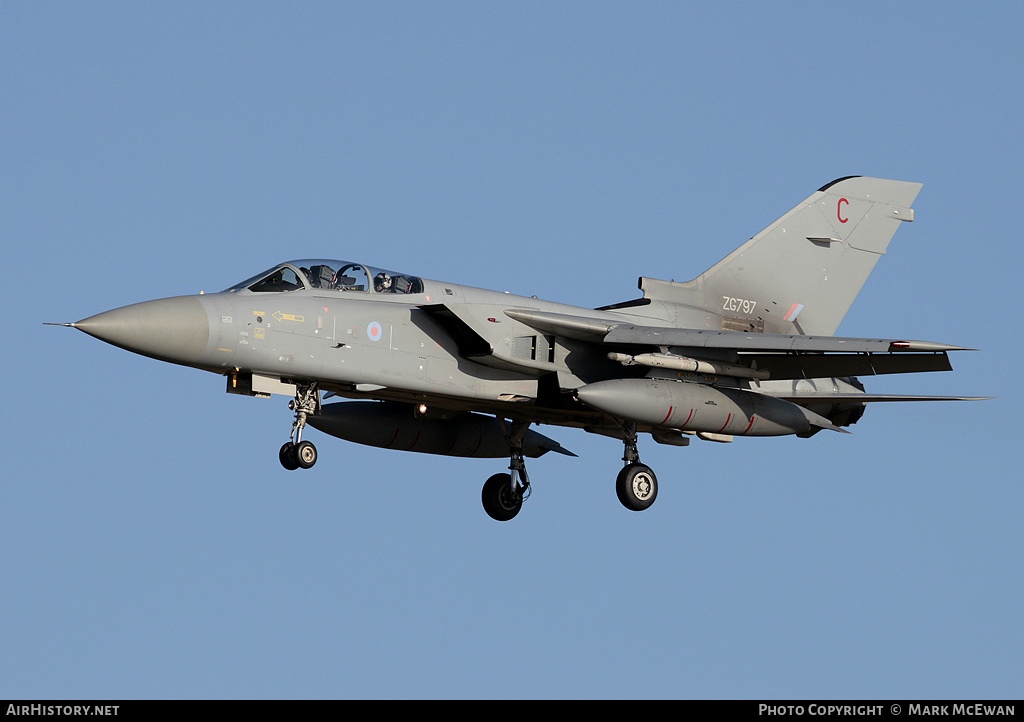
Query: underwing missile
point(683, 363)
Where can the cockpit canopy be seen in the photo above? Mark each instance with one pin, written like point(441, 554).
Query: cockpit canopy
point(329, 275)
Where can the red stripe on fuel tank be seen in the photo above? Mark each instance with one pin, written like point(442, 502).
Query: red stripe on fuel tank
point(727, 420)
point(667, 415)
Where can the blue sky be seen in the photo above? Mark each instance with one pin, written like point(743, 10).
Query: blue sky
point(152, 547)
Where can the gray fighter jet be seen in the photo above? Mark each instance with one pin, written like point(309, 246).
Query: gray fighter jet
point(745, 349)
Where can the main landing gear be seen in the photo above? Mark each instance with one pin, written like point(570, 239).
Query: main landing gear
point(503, 494)
point(296, 453)
point(636, 485)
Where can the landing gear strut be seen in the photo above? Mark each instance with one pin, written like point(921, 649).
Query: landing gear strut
point(503, 494)
point(636, 485)
point(296, 453)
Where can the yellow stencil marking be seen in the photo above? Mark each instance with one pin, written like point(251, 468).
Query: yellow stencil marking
point(288, 317)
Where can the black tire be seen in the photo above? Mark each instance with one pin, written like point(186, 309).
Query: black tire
point(500, 502)
point(287, 457)
point(305, 454)
point(637, 487)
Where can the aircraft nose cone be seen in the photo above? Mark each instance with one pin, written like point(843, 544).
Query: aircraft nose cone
point(170, 329)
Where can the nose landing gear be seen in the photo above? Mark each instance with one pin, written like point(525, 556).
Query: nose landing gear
point(296, 453)
point(503, 494)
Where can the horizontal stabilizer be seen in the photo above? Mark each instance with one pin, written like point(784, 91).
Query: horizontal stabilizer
point(869, 398)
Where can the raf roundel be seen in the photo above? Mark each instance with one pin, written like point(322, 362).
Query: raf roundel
point(374, 331)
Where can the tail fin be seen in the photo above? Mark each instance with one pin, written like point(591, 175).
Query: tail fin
point(802, 273)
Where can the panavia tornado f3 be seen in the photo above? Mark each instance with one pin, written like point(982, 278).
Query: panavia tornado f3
point(745, 349)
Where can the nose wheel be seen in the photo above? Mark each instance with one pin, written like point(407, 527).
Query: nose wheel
point(297, 456)
point(503, 494)
point(296, 453)
point(502, 499)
